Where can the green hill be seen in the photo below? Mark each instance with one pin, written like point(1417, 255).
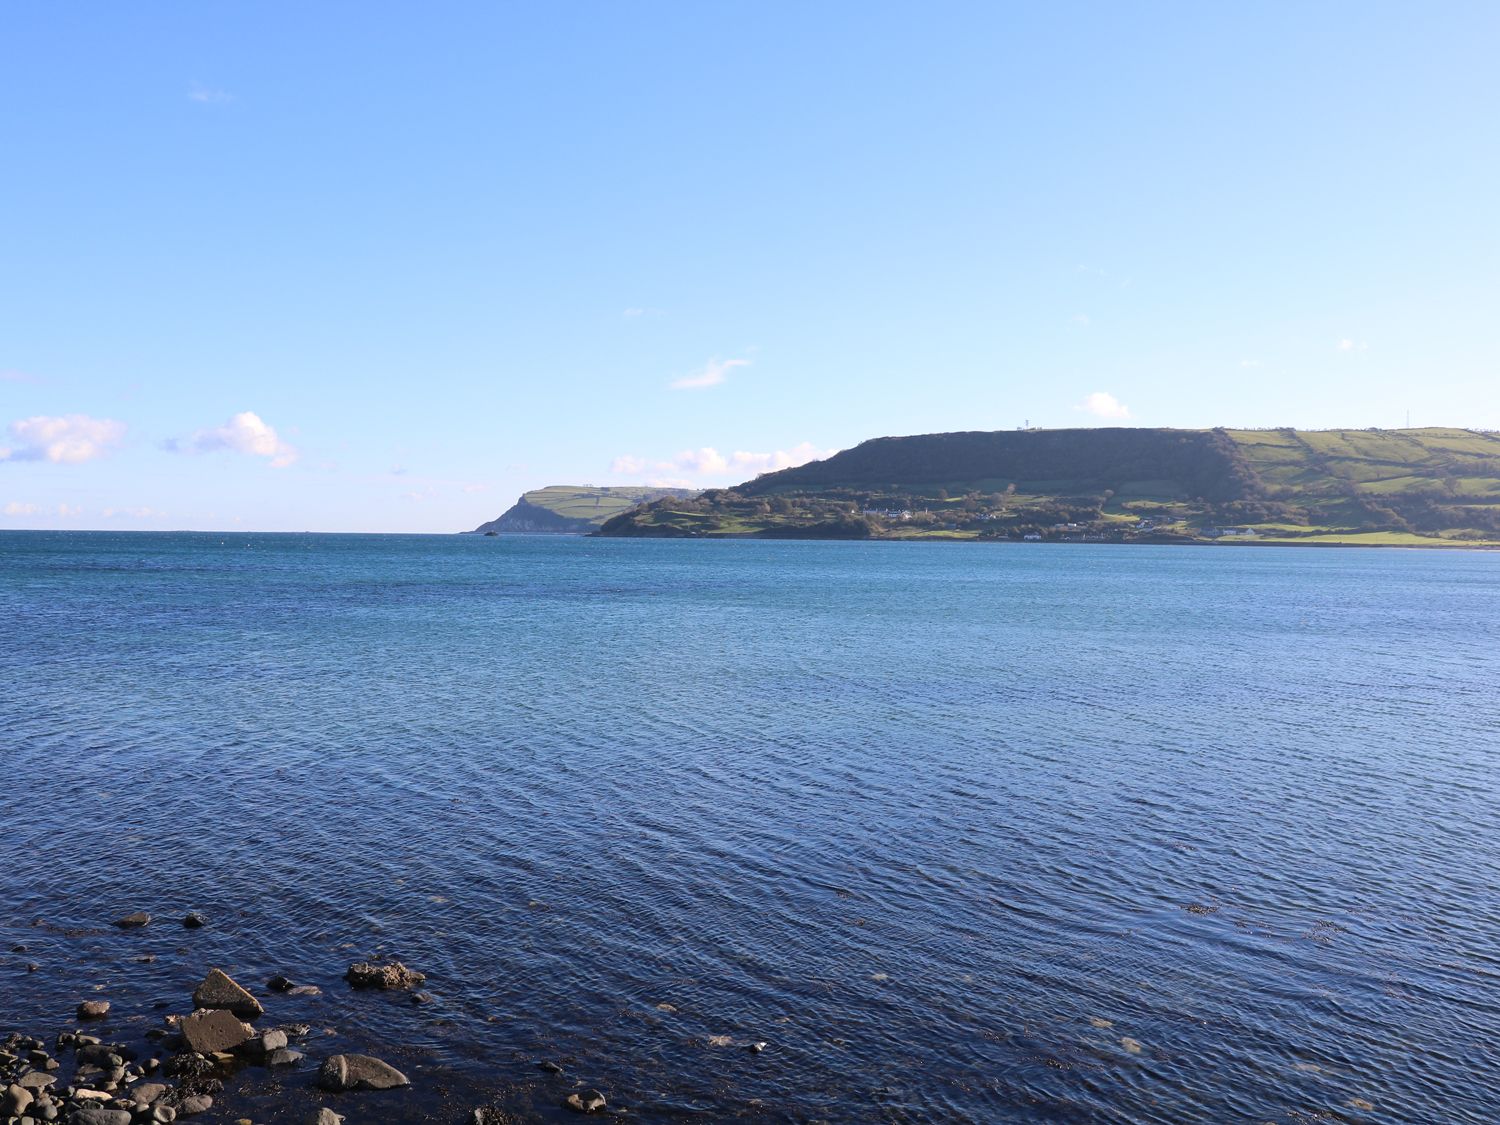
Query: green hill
point(567, 508)
point(1424, 487)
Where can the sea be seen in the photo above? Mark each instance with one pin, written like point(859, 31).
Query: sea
point(771, 831)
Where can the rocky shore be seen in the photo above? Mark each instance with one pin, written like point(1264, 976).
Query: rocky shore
point(179, 1068)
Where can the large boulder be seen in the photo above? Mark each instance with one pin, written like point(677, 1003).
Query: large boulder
point(209, 1030)
point(218, 991)
point(359, 1072)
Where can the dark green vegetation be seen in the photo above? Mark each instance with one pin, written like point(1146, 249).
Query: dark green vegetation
point(574, 508)
point(1426, 487)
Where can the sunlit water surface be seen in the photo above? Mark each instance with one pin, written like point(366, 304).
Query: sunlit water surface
point(960, 832)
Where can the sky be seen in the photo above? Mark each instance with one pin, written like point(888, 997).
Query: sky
point(383, 267)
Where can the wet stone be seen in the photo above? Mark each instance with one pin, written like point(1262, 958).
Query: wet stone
point(219, 991)
point(93, 1009)
point(209, 1031)
point(359, 1072)
point(590, 1101)
point(134, 921)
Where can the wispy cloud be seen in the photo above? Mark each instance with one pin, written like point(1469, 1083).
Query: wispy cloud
point(714, 372)
point(1102, 404)
point(1347, 345)
point(16, 508)
point(1081, 319)
point(706, 463)
point(208, 95)
point(66, 440)
point(245, 433)
point(137, 513)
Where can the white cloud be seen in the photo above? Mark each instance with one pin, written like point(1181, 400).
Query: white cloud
point(714, 372)
point(207, 95)
point(244, 433)
point(141, 513)
point(707, 462)
point(16, 508)
point(67, 440)
point(1347, 345)
point(67, 511)
point(1102, 404)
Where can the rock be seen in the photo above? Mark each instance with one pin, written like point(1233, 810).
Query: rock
point(590, 1101)
point(549, 1066)
point(101, 1115)
point(421, 998)
point(194, 921)
point(279, 983)
point(134, 921)
point(285, 1056)
point(390, 975)
point(359, 1072)
point(197, 1103)
point(147, 1092)
point(218, 991)
point(213, 1030)
point(305, 990)
point(325, 1116)
point(163, 1114)
point(35, 1080)
point(758, 1046)
point(16, 1100)
point(93, 1009)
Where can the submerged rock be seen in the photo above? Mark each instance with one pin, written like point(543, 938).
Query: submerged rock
point(93, 1009)
point(389, 975)
point(219, 991)
point(325, 1116)
point(359, 1072)
point(194, 920)
point(590, 1101)
point(134, 921)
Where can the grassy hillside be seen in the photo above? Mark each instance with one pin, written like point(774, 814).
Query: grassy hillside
point(1425, 487)
point(573, 508)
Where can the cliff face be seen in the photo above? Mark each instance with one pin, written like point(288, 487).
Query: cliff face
point(564, 509)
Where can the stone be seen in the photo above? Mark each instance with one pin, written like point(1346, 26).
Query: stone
point(389, 975)
point(285, 1056)
point(16, 1100)
point(36, 1080)
point(279, 983)
point(163, 1114)
point(101, 1115)
point(326, 1116)
point(272, 1040)
point(304, 990)
point(590, 1101)
point(194, 921)
point(93, 1009)
point(147, 1092)
point(359, 1072)
point(134, 921)
point(218, 991)
point(549, 1066)
point(213, 1030)
point(197, 1103)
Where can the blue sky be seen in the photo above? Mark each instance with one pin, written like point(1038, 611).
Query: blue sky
point(382, 267)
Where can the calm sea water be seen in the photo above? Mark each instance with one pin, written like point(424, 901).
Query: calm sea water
point(962, 833)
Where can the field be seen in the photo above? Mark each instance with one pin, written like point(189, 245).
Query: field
point(1423, 487)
